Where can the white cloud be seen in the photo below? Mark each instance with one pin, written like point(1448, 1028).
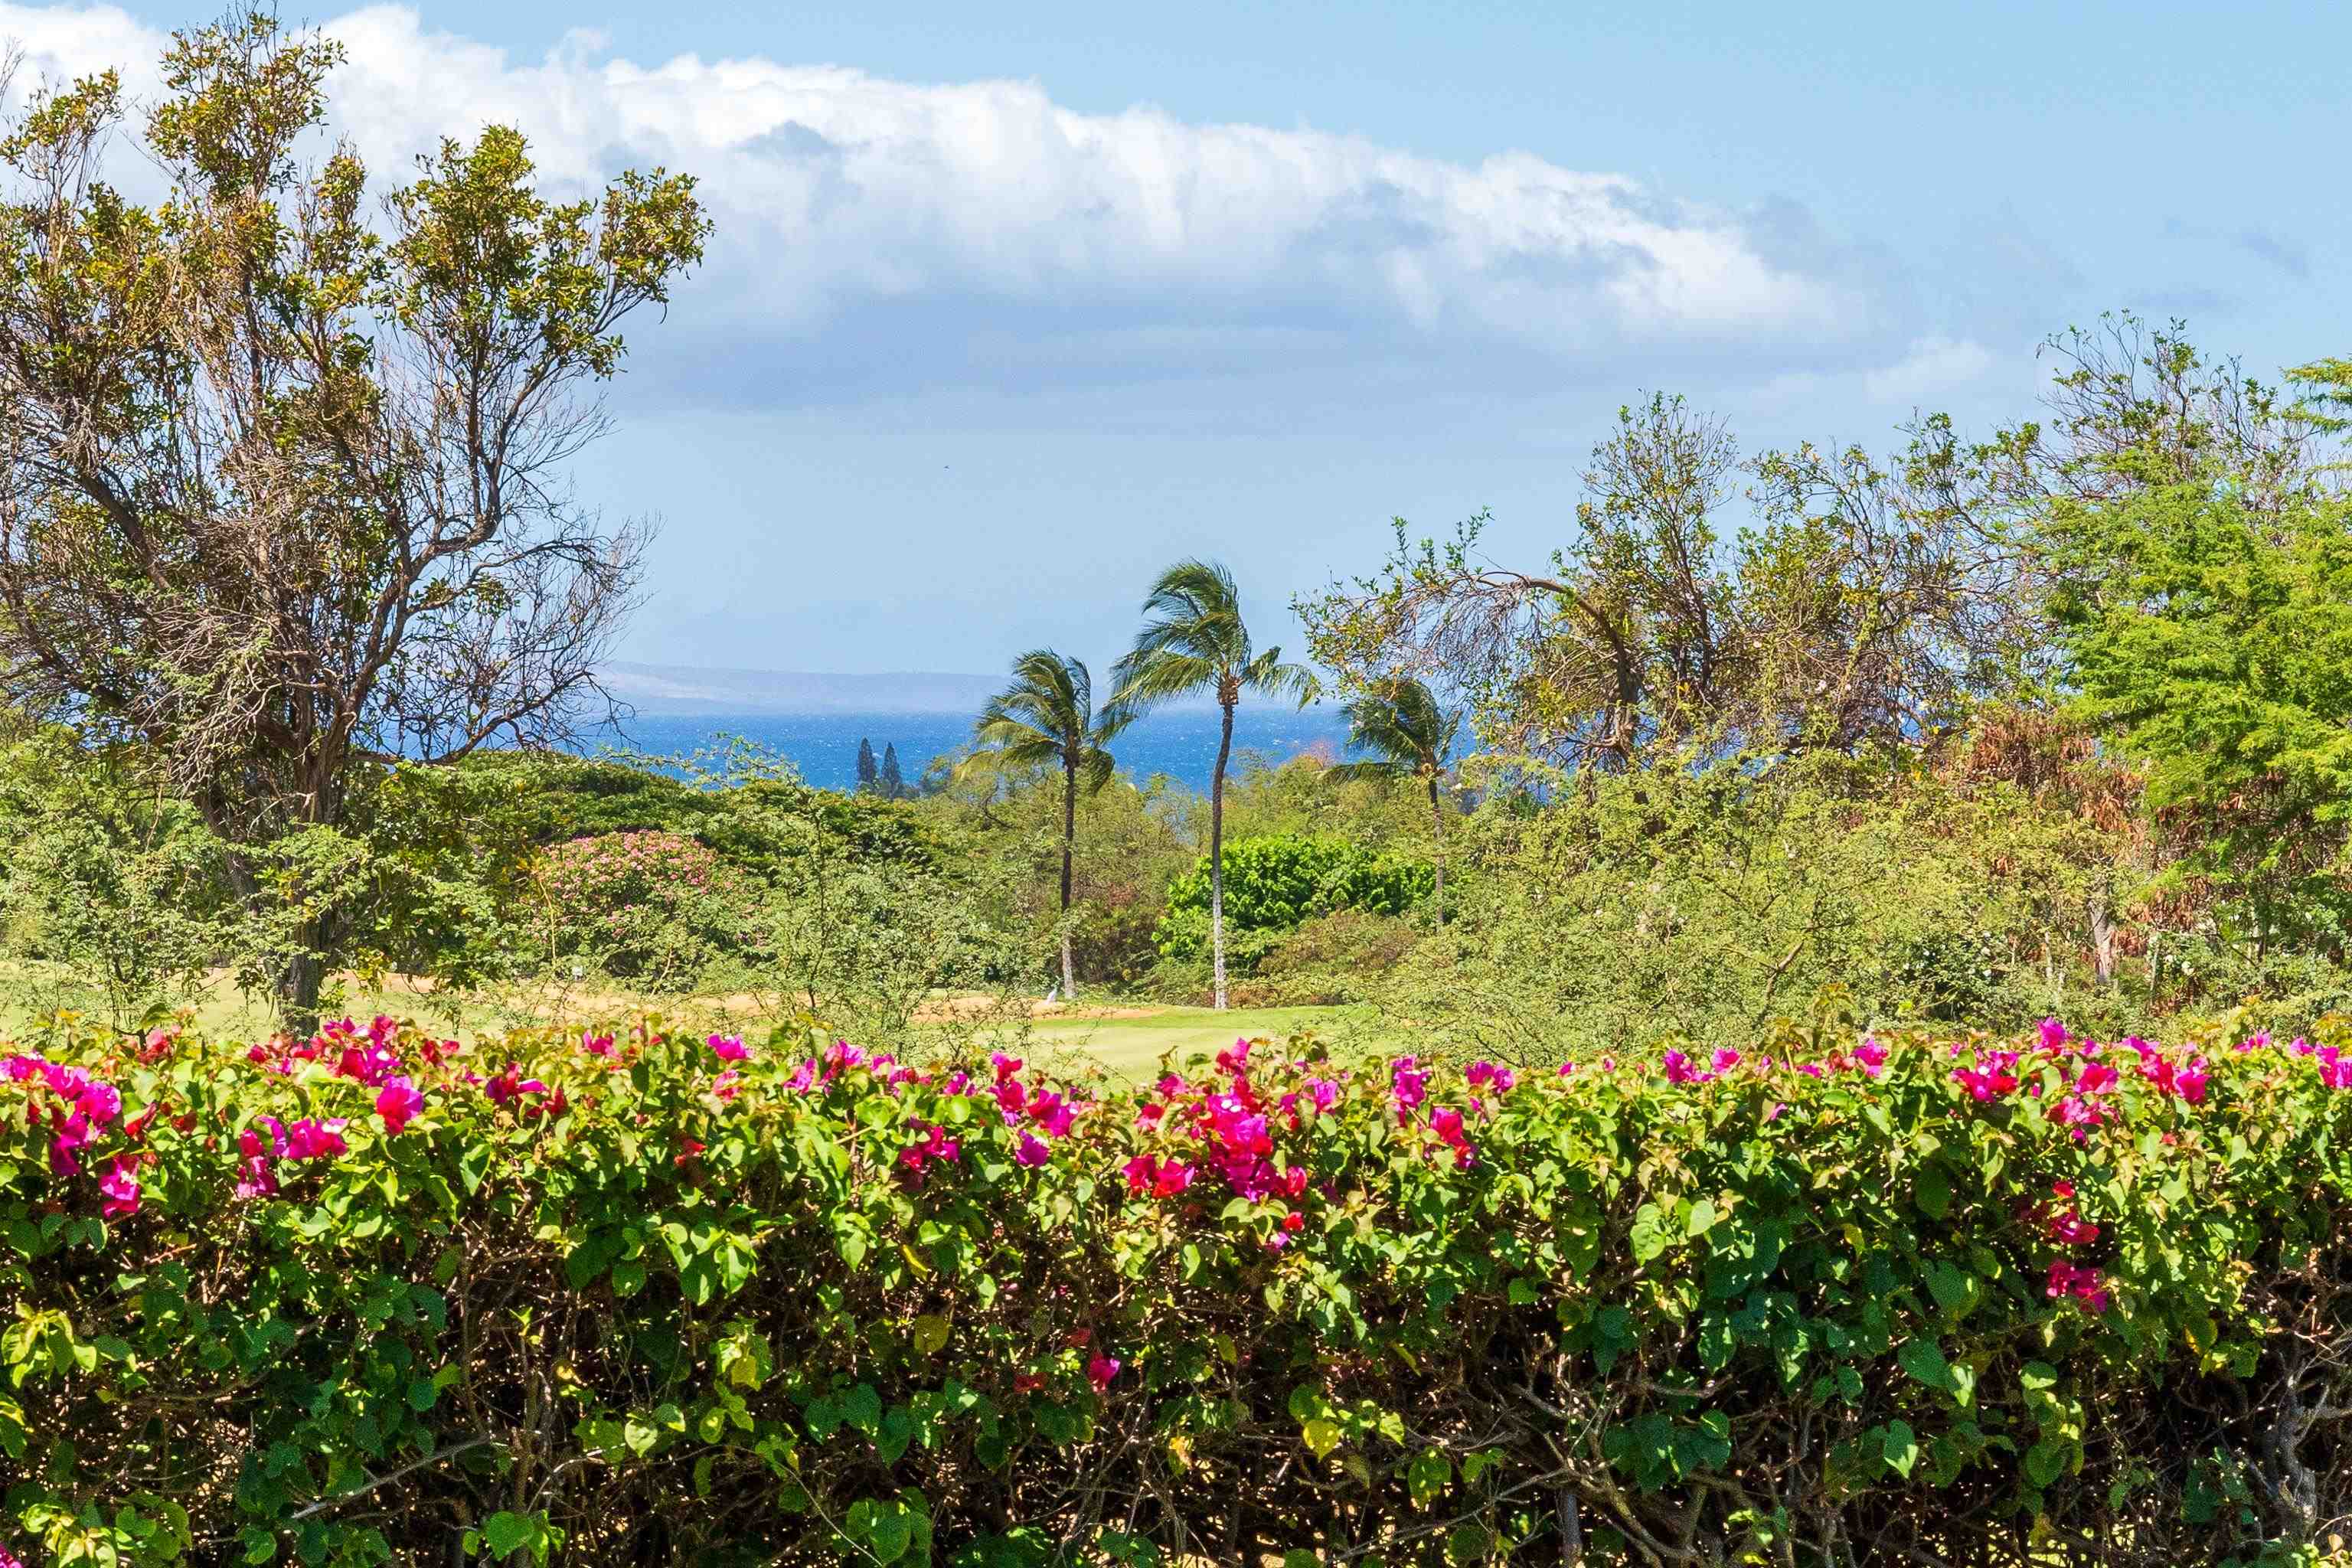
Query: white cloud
point(834, 189)
point(1934, 365)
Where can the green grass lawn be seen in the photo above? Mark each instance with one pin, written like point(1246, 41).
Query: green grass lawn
point(1134, 1046)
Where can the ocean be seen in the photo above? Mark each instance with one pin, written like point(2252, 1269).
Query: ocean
point(1180, 743)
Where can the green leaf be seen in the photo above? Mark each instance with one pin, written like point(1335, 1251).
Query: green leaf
point(1933, 1190)
point(507, 1534)
point(1900, 1448)
point(1923, 1360)
point(1428, 1476)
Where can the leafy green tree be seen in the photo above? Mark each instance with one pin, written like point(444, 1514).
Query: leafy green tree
point(869, 772)
point(282, 485)
point(1409, 735)
point(1194, 640)
point(2211, 642)
point(892, 781)
point(1046, 718)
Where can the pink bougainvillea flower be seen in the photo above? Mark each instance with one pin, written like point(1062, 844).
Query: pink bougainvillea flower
point(729, 1047)
point(803, 1079)
point(1774, 1114)
point(507, 1087)
point(1872, 1056)
point(1012, 1099)
point(254, 1177)
point(311, 1139)
point(2097, 1078)
point(1052, 1114)
point(1006, 1066)
point(102, 1101)
point(1725, 1059)
point(2067, 1279)
point(1100, 1370)
point(1235, 1058)
point(1488, 1076)
point(1407, 1085)
point(1173, 1178)
point(68, 1133)
point(398, 1101)
point(1447, 1122)
point(2053, 1035)
point(727, 1085)
point(936, 1145)
point(1033, 1149)
point(596, 1044)
point(1678, 1069)
point(121, 1186)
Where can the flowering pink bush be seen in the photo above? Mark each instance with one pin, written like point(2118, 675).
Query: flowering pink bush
point(794, 1301)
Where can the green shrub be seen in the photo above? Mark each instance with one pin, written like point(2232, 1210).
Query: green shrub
point(1276, 884)
point(571, 1299)
point(653, 907)
point(1334, 958)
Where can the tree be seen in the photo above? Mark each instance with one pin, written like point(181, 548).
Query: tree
point(1409, 735)
point(893, 781)
point(2207, 636)
point(1194, 640)
point(284, 490)
point(1046, 718)
point(869, 774)
point(1867, 605)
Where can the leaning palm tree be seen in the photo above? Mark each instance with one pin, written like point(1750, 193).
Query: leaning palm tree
point(1409, 735)
point(1194, 640)
point(1046, 718)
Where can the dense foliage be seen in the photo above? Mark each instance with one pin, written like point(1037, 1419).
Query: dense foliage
point(622, 1298)
point(1274, 885)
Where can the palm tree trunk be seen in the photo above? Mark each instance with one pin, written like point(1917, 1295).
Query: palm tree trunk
point(1069, 840)
point(1217, 852)
point(1437, 816)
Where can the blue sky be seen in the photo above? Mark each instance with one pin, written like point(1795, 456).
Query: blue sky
point(1011, 305)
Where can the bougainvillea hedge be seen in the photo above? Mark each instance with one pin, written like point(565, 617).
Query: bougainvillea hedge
point(375, 1297)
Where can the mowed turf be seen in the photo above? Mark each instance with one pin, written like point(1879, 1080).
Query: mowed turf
point(1136, 1045)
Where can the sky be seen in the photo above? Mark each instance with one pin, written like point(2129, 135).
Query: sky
point(1007, 306)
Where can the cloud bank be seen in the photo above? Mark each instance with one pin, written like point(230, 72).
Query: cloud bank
point(839, 194)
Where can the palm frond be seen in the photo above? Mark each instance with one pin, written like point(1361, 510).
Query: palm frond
point(1266, 673)
point(1044, 716)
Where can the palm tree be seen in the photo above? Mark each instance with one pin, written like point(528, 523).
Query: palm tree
point(1400, 723)
point(1194, 640)
point(1047, 717)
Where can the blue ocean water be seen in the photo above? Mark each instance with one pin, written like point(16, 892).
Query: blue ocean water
point(1180, 743)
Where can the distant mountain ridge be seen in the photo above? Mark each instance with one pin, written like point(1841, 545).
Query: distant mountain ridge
point(690, 690)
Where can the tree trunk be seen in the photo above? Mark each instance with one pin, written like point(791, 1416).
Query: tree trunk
point(1069, 840)
point(1217, 853)
point(1437, 817)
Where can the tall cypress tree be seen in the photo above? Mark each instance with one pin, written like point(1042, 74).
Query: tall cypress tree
point(866, 775)
point(894, 784)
